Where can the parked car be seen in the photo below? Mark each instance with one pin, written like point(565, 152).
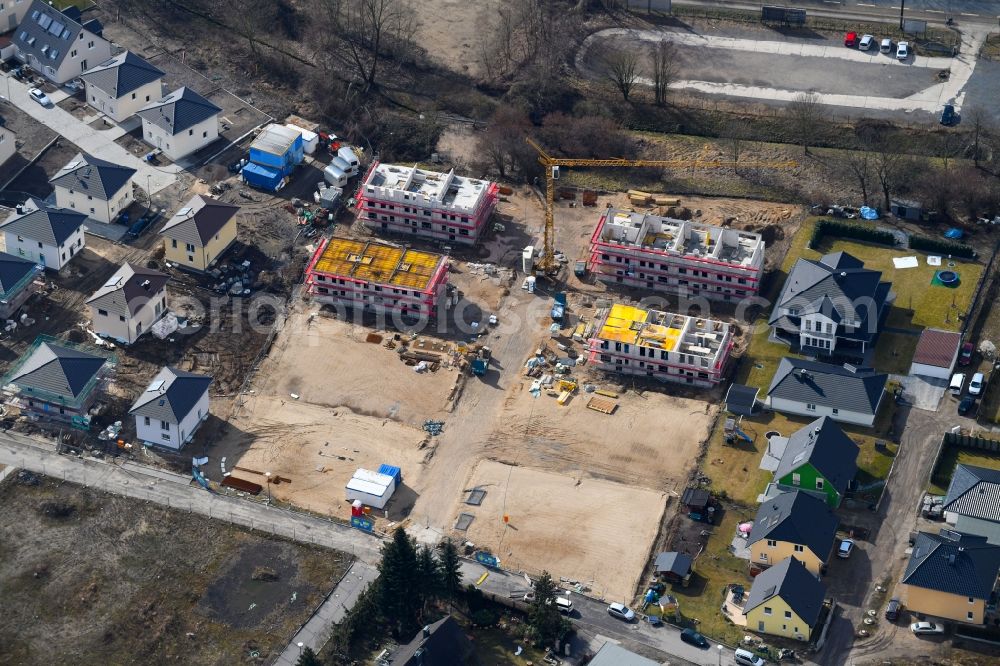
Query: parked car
point(948, 114)
point(965, 357)
point(902, 51)
point(867, 42)
point(748, 658)
point(694, 638)
point(621, 611)
point(976, 385)
point(851, 39)
point(886, 46)
point(927, 628)
point(966, 405)
point(845, 548)
point(39, 97)
point(892, 610)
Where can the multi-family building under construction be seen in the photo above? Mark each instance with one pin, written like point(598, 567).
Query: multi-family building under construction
point(663, 345)
point(377, 277)
point(676, 256)
point(443, 207)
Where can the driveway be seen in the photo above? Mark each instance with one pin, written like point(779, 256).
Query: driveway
point(100, 143)
point(779, 71)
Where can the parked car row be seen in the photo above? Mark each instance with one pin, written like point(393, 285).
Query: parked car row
point(867, 43)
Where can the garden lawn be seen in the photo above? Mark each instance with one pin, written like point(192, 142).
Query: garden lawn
point(952, 456)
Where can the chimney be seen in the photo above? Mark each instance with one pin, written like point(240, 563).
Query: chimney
point(145, 285)
point(427, 631)
point(951, 559)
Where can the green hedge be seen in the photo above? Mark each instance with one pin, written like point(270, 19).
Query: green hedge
point(861, 232)
point(942, 246)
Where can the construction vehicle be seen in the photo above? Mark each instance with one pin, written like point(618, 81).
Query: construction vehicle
point(547, 262)
point(480, 362)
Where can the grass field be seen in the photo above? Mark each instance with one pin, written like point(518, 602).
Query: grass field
point(919, 304)
point(79, 4)
point(952, 456)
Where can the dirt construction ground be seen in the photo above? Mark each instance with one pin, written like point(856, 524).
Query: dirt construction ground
point(98, 579)
point(611, 526)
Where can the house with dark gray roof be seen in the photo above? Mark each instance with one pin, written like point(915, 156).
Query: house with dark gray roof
point(171, 408)
point(44, 234)
point(99, 189)
point(17, 283)
point(180, 124)
point(199, 233)
point(129, 303)
point(442, 643)
point(56, 45)
point(831, 306)
point(952, 576)
point(791, 524)
point(123, 84)
point(54, 379)
point(818, 459)
point(785, 600)
point(845, 393)
point(972, 505)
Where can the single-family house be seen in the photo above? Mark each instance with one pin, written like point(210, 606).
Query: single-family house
point(936, 353)
point(441, 643)
point(952, 576)
point(101, 190)
point(122, 84)
point(845, 393)
point(673, 567)
point(129, 303)
point(17, 283)
point(12, 12)
point(8, 144)
point(56, 45)
point(818, 459)
point(612, 654)
point(45, 234)
point(831, 306)
point(181, 123)
point(171, 408)
point(972, 505)
point(57, 380)
point(793, 524)
point(197, 235)
point(785, 600)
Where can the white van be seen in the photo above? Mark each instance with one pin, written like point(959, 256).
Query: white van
point(564, 605)
point(957, 382)
point(976, 384)
point(748, 658)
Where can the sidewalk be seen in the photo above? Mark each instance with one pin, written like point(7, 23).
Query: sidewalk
point(99, 143)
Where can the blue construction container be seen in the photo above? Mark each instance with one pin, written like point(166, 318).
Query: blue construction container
point(262, 177)
point(278, 148)
point(393, 471)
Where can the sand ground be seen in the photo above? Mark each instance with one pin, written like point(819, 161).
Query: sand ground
point(592, 531)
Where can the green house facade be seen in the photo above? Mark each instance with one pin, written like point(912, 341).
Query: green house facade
point(819, 459)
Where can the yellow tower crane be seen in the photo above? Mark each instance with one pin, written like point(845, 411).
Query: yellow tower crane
point(547, 262)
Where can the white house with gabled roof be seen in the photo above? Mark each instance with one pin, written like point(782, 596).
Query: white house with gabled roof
point(171, 408)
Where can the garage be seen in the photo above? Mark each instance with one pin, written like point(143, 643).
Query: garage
point(936, 353)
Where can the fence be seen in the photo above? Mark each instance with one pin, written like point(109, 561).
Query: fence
point(960, 441)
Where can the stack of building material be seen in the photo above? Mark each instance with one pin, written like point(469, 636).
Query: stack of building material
point(639, 198)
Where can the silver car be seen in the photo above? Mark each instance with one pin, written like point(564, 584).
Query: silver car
point(39, 97)
point(621, 611)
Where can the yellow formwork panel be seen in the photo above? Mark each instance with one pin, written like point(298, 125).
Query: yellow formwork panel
point(623, 323)
point(379, 263)
point(665, 337)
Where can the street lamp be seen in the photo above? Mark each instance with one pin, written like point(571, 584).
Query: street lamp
point(267, 475)
point(720, 654)
point(300, 645)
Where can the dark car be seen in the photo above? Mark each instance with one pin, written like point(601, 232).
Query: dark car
point(964, 407)
point(694, 638)
point(965, 358)
point(892, 610)
point(948, 115)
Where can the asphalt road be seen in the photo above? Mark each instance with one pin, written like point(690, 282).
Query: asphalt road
point(981, 12)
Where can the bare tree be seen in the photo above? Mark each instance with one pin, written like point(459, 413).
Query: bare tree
point(367, 32)
point(981, 131)
point(859, 164)
point(622, 68)
point(664, 69)
point(889, 164)
point(247, 17)
point(736, 133)
point(804, 113)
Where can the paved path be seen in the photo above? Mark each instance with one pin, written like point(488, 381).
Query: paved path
point(316, 632)
point(929, 99)
point(100, 143)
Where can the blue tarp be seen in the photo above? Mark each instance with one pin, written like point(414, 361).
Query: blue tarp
point(868, 213)
point(261, 176)
point(953, 233)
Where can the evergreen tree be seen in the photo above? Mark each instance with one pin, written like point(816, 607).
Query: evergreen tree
point(308, 658)
point(428, 578)
point(544, 619)
point(399, 597)
point(451, 574)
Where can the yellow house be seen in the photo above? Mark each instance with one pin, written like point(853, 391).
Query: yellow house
point(951, 576)
point(793, 524)
point(197, 235)
point(785, 600)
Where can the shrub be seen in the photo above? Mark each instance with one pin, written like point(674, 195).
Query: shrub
point(941, 246)
point(859, 232)
point(485, 617)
